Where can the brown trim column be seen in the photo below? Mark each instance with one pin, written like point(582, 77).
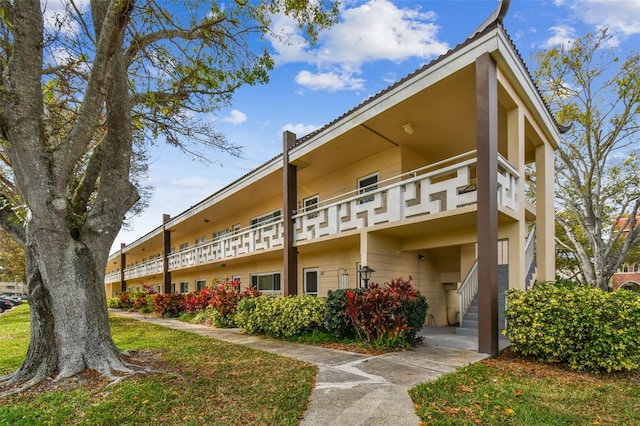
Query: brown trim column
point(123, 264)
point(487, 217)
point(289, 199)
point(166, 249)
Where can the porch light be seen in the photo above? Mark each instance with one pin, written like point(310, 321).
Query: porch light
point(365, 274)
point(408, 128)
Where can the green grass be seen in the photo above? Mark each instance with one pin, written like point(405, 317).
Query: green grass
point(513, 391)
point(201, 381)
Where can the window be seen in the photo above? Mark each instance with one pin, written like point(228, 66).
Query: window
point(311, 281)
point(311, 203)
point(237, 281)
point(218, 235)
point(201, 284)
point(266, 219)
point(184, 287)
point(184, 246)
point(367, 184)
point(173, 287)
point(201, 240)
point(266, 282)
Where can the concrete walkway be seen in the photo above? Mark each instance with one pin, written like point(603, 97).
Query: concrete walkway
point(353, 389)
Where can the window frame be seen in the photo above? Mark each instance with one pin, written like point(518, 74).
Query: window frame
point(363, 189)
point(308, 205)
point(184, 284)
point(266, 219)
point(255, 281)
point(305, 271)
point(201, 284)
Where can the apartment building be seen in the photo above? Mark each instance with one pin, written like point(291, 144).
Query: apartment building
point(425, 179)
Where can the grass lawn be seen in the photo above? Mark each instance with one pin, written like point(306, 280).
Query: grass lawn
point(510, 390)
point(198, 381)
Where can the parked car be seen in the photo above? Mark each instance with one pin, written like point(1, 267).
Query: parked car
point(9, 300)
point(5, 305)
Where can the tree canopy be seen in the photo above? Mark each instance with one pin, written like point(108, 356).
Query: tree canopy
point(598, 185)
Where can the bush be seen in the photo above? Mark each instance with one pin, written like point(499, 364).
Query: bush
point(336, 322)
point(197, 301)
point(280, 316)
point(169, 305)
point(224, 301)
point(387, 316)
point(113, 302)
point(582, 326)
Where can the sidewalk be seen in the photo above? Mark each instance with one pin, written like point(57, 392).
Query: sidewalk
point(351, 389)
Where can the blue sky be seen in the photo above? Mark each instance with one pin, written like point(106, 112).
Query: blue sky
point(376, 43)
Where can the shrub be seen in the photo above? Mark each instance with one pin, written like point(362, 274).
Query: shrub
point(169, 305)
point(280, 316)
point(583, 326)
point(387, 316)
point(197, 301)
point(113, 302)
point(336, 322)
point(124, 301)
point(224, 301)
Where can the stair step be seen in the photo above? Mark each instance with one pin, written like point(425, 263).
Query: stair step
point(470, 317)
point(466, 331)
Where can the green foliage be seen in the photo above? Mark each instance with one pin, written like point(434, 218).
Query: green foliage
point(588, 86)
point(587, 328)
point(280, 316)
point(113, 302)
point(336, 322)
point(380, 315)
point(169, 305)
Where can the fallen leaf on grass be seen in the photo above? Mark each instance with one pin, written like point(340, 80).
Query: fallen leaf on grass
point(464, 388)
point(509, 411)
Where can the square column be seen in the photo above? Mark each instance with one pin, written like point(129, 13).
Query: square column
point(487, 216)
point(545, 214)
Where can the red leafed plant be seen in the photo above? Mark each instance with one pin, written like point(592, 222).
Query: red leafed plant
point(226, 296)
point(379, 314)
point(197, 301)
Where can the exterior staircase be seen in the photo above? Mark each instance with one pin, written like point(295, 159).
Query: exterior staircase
point(469, 321)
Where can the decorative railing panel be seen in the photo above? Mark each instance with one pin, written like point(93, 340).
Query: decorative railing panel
point(144, 269)
point(416, 193)
point(244, 241)
point(112, 277)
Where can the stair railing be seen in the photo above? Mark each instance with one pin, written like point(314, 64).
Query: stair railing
point(529, 254)
point(468, 290)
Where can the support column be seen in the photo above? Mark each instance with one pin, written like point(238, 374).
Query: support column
point(289, 199)
point(123, 264)
point(545, 214)
point(517, 232)
point(166, 249)
point(487, 217)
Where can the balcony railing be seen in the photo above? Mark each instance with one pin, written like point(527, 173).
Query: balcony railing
point(436, 188)
point(112, 277)
point(244, 241)
point(150, 267)
point(439, 187)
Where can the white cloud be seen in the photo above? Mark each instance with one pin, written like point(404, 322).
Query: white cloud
point(374, 31)
point(300, 129)
point(620, 16)
point(562, 36)
point(235, 117)
point(330, 81)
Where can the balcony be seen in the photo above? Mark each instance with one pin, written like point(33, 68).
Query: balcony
point(439, 187)
point(150, 267)
point(112, 277)
point(245, 241)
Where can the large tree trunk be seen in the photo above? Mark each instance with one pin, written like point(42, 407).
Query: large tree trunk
point(67, 242)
